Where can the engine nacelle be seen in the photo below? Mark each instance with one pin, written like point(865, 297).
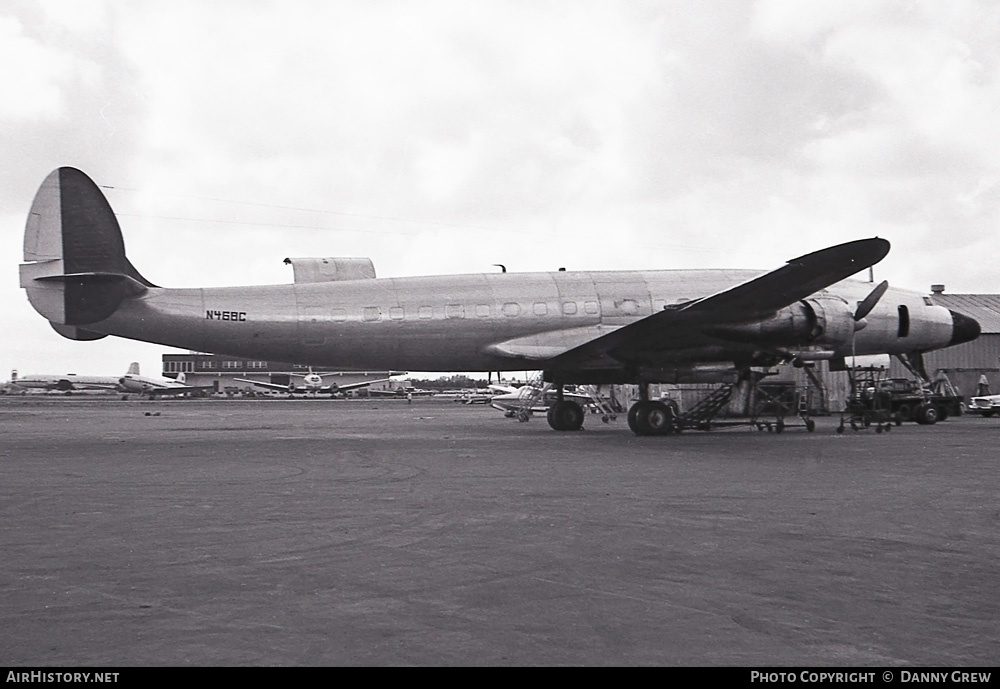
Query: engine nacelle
point(833, 321)
point(814, 321)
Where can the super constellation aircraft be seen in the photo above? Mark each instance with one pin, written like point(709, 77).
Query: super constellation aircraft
point(65, 382)
point(636, 327)
point(159, 386)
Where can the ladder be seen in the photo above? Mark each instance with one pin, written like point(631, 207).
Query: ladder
point(601, 403)
point(942, 385)
point(701, 414)
point(537, 389)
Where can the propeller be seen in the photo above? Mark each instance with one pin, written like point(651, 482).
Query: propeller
point(866, 305)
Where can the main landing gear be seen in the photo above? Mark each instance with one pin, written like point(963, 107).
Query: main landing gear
point(565, 415)
point(651, 417)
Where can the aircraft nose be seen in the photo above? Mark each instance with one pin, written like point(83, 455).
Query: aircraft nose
point(963, 328)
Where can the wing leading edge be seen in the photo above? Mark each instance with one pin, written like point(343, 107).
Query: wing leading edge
point(756, 299)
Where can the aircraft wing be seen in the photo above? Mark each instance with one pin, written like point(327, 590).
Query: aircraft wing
point(353, 386)
point(178, 390)
point(269, 386)
point(679, 326)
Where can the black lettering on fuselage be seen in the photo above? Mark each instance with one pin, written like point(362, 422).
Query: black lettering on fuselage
point(226, 315)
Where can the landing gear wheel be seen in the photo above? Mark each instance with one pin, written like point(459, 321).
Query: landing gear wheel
point(637, 418)
point(651, 418)
point(565, 416)
point(660, 419)
point(810, 425)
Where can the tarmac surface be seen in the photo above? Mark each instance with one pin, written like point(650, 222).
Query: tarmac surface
point(318, 532)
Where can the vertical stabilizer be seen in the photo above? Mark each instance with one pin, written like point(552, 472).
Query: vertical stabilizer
point(75, 270)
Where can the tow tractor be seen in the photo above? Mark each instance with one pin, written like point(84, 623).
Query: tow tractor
point(912, 400)
point(878, 400)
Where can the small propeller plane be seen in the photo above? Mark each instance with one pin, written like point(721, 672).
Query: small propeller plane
point(588, 328)
point(312, 384)
point(511, 400)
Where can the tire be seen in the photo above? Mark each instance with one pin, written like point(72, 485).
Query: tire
point(927, 414)
point(638, 415)
point(904, 412)
point(659, 419)
point(566, 416)
point(553, 421)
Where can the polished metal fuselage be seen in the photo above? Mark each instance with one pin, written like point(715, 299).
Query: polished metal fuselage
point(502, 321)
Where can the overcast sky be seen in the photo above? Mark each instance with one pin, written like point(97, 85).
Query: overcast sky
point(444, 137)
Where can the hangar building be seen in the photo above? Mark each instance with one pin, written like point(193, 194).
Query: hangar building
point(221, 371)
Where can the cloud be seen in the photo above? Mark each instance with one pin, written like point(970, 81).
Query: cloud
point(443, 137)
point(32, 85)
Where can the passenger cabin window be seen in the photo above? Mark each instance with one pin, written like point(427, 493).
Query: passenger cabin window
point(569, 308)
point(511, 309)
point(396, 313)
point(425, 312)
point(483, 310)
point(591, 307)
point(454, 311)
point(372, 313)
point(904, 321)
point(338, 315)
point(540, 308)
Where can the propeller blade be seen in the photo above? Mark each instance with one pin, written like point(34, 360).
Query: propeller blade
point(866, 305)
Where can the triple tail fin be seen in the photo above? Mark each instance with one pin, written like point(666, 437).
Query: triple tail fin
point(75, 271)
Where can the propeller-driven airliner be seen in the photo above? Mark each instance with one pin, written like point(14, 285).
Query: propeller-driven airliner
point(590, 328)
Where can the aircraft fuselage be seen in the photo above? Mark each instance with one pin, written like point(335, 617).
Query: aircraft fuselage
point(506, 321)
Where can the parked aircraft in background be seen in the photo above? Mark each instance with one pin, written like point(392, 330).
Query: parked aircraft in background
point(636, 327)
point(511, 400)
point(403, 391)
point(312, 384)
point(159, 386)
point(67, 382)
